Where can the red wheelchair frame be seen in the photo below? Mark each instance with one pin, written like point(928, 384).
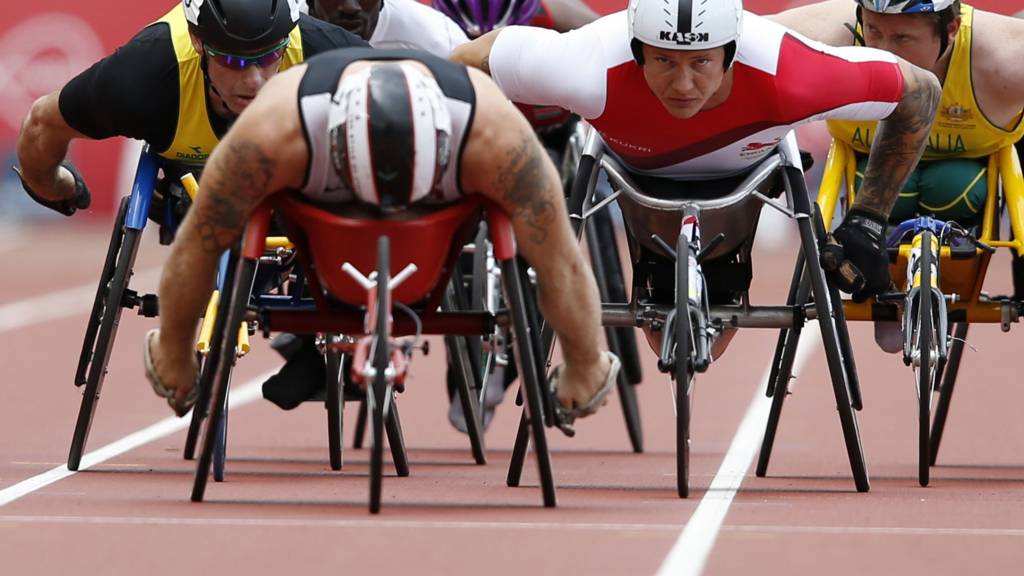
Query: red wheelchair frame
point(325, 242)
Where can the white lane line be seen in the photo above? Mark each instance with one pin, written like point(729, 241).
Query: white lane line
point(477, 525)
point(60, 304)
point(240, 396)
point(690, 553)
point(876, 530)
point(338, 523)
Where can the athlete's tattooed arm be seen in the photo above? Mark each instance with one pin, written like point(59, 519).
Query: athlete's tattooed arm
point(234, 184)
point(899, 142)
point(524, 174)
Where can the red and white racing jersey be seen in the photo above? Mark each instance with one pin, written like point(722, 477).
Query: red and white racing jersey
point(781, 80)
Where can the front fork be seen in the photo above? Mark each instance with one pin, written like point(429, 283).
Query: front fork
point(696, 300)
point(913, 297)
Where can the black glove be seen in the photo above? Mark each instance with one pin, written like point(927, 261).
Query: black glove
point(855, 256)
point(79, 200)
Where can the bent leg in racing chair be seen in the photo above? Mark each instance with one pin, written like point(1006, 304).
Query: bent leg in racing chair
point(337, 254)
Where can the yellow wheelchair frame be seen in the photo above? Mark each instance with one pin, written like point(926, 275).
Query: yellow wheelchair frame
point(953, 302)
point(962, 277)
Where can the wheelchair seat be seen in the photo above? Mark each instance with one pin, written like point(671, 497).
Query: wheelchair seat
point(428, 239)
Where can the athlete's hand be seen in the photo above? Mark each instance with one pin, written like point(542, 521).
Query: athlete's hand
point(80, 198)
point(855, 256)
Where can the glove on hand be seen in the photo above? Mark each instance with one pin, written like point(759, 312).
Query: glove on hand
point(855, 256)
point(79, 200)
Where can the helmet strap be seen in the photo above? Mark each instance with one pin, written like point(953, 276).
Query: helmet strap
point(638, 51)
point(858, 36)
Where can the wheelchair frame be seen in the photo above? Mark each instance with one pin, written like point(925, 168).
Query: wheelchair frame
point(683, 361)
point(112, 297)
point(323, 314)
point(955, 300)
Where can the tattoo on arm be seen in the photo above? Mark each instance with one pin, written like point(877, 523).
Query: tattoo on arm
point(240, 182)
point(523, 178)
point(898, 145)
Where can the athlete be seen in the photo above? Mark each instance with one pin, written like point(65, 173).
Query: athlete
point(976, 56)
point(177, 85)
point(395, 24)
point(467, 139)
point(697, 91)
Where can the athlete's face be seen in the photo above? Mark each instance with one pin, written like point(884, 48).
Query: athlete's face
point(909, 36)
point(233, 89)
point(357, 16)
point(686, 81)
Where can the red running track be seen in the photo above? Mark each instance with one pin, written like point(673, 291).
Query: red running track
point(283, 510)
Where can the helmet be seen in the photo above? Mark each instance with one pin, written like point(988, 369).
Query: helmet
point(389, 130)
point(478, 17)
point(905, 6)
point(242, 26)
point(685, 24)
point(947, 11)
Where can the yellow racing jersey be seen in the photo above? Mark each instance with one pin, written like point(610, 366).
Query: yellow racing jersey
point(961, 129)
point(194, 136)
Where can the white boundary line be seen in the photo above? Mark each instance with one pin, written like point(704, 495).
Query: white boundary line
point(239, 396)
point(690, 552)
point(481, 525)
point(59, 304)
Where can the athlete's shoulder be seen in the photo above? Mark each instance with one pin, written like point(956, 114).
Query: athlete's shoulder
point(410, 24)
point(319, 36)
point(760, 42)
point(773, 48)
point(996, 53)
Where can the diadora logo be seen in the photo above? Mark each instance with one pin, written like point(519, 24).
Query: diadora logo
point(682, 38)
point(197, 154)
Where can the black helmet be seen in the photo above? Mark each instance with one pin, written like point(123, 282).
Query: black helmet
point(242, 26)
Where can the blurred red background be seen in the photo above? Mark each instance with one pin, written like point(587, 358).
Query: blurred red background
point(45, 42)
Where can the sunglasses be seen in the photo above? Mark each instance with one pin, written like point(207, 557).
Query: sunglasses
point(241, 62)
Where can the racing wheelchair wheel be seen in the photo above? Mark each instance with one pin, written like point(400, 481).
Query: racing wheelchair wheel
point(378, 395)
point(102, 328)
point(208, 365)
point(684, 366)
point(334, 404)
point(924, 353)
point(528, 348)
point(949, 375)
point(607, 267)
point(213, 433)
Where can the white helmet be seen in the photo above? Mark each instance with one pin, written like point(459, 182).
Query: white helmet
point(390, 133)
point(684, 24)
point(905, 6)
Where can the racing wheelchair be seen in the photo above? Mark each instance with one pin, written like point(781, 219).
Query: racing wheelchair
point(156, 196)
point(348, 264)
point(940, 268)
point(687, 294)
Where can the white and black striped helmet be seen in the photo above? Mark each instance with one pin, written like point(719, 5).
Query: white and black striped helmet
point(685, 24)
point(390, 134)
